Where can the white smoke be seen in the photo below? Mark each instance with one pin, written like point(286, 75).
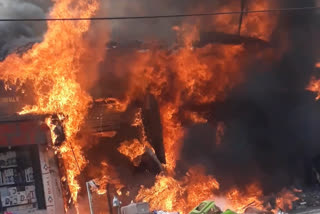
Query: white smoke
point(16, 34)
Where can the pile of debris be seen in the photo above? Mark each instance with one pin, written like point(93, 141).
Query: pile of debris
point(308, 203)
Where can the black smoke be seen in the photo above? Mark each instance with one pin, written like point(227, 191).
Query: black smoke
point(272, 122)
point(19, 34)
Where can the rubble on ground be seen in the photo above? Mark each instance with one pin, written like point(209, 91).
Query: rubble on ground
point(309, 201)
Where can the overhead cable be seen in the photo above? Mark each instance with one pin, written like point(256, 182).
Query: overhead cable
point(293, 9)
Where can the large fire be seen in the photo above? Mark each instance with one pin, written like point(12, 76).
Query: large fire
point(53, 67)
point(181, 194)
point(176, 79)
point(185, 193)
point(183, 77)
point(198, 76)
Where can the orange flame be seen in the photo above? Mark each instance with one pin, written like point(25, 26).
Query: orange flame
point(239, 200)
point(284, 199)
point(53, 67)
point(198, 76)
point(139, 123)
point(132, 149)
point(185, 76)
point(172, 136)
point(181, 195)
point(195, 117)
point(114, 104)
point(314, 86)
point(258, 25)
point(106, 175)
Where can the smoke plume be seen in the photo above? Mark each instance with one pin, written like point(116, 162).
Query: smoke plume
point(19, 34)
point(153, 29)
point(271, 120)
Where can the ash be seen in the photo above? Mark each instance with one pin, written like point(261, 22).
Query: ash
point(309, 201)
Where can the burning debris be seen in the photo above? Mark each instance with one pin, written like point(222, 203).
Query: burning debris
point(131, 145)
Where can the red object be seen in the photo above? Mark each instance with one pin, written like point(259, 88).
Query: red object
point(19, 133)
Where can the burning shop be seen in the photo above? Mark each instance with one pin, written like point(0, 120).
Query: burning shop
point(190, 114)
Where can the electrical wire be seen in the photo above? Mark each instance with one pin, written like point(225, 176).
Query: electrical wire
point(75, 158)
point(293, 9)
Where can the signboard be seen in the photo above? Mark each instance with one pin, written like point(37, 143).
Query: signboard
point(47, 182)
point(23, 133)
point(16, 197)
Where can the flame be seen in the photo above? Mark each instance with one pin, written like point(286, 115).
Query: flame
point(53, 68)
point(186, 76)
point(182, 195)
point(284, 199)
point(314, 86)
point(240, 200)
point(163, 195)
point(198, 76)
point(195, 117)
point(139, 123)
point(173, 133)
point(49, 123)
point(107, 175)
point(176, 79)
point(253, 196)
point(114, 104)
point(171, 194)
point(109, 134)
point(257, 25)
point(132, 149)
point(136, 148)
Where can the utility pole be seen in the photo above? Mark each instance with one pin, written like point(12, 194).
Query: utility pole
point(243, 4)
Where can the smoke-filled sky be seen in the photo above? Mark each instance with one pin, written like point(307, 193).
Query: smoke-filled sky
point(16, 34)
point(272, 122)
point(160, 29)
